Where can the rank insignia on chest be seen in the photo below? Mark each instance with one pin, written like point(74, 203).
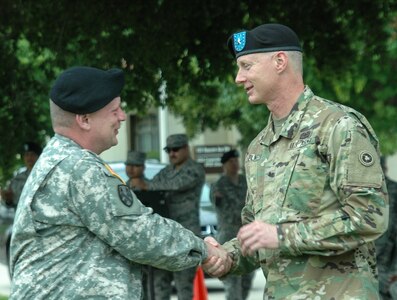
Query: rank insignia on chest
point(125, 195)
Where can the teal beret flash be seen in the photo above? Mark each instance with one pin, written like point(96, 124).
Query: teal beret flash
point(228, 155)
point(264, 38)
point(83, 90)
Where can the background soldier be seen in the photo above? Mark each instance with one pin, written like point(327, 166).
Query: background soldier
point(228, 197)
point(182, 180)
point(135, 167)
point(386, 246)
point(30, 154)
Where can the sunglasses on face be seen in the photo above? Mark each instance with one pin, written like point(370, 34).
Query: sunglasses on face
point(173, 149)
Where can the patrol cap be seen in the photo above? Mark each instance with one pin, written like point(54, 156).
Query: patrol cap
point(32, 147)
point(264, 38)
point(135, 158)
point(176, 140)
point(83, 90)
point(228, 155)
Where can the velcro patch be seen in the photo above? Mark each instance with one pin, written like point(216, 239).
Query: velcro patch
point(125, 195)
point(366, 159)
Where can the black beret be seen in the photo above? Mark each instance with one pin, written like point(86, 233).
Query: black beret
point(264, 38)
point(83, 90)
point(228, 155)
point(32, 147)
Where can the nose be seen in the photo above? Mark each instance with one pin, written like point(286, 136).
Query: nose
point(240, 78)
point(122, 115)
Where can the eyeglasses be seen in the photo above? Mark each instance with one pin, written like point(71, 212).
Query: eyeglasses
point(173, 149)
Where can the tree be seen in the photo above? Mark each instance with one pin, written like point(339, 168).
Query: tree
point(183, 45)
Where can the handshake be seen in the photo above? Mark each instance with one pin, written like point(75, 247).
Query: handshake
point(251, 238)
point(218, 262)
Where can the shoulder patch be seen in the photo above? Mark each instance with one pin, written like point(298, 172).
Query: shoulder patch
point(366, 159)
point(125, 195)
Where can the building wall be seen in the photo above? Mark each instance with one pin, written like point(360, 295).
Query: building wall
point(170, 124)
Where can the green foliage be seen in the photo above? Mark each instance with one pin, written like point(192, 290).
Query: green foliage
point(350, 56)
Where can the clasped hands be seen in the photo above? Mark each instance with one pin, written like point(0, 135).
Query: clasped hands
point(218, 262)
point(252, 237)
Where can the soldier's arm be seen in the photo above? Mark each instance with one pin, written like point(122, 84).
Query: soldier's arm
point(357, 180)
point(186, 179)
point(113, 213)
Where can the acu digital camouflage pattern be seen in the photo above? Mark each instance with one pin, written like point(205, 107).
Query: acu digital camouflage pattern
point(74, 237)
point(183, 190)
point(386, 248)
point(228, 204)
point(321, 181)
point(16, 184)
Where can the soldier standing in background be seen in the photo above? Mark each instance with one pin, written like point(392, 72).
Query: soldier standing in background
point(182, 180)
point(11, 194)
point(135, 167)
point(386, 246)
point(228, 197)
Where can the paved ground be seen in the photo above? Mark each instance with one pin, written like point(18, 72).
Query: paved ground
point(214, 286)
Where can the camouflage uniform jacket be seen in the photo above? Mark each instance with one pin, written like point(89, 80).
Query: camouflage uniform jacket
point(81, 233)
point(320, 181)
point(228, 205)
point(16, 185)
point(183, 188)
point(386, 246)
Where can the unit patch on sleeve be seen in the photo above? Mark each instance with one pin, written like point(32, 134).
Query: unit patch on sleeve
point(366, 158)
point(125, 195)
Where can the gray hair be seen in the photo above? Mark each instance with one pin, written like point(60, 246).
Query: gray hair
point(295, 58)
point(60, 117)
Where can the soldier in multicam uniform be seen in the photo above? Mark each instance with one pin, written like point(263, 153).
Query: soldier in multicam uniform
point(317, 197)
point(135, 167)
point(182, 180)
point(386, 246)
point(79, 231)
point(228, 195)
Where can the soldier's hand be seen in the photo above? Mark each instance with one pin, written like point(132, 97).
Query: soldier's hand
point(218, 262)
point(257, 235)
point(139, 183)
point(7, 196)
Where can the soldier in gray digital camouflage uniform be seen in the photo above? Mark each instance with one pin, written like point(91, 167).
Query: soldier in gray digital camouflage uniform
point(228, 195)
point(386, 246)
point(182, 180)
point(135, 167)
point(79, 231)
point(317, 197)
point(11, 194)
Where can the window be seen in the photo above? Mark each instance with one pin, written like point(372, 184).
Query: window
point(145, 135)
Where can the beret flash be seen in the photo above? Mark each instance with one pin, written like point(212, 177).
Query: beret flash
point(83, 90)
point(264, 38)
point(228, 155)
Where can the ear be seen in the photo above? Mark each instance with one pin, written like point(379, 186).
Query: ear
point(83, 121)
point(281, 60)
